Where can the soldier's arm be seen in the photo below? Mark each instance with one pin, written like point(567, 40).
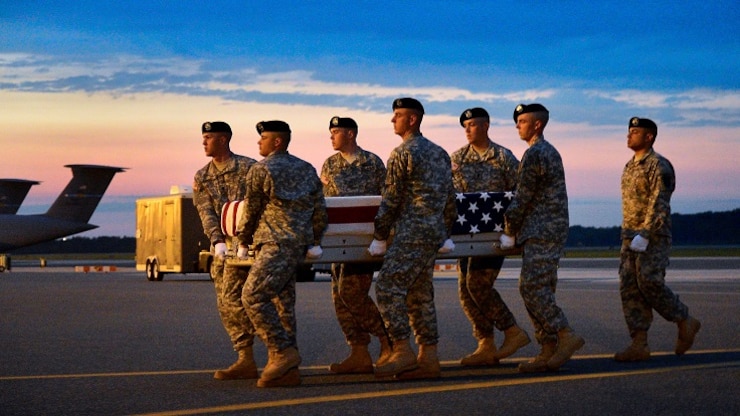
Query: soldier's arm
point(526, 186)
point(256, 201)
point(210, 219)
point(658, 210)
point(390, 204)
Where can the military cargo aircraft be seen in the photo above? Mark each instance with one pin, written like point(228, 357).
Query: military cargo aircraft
point(12, 194)
point(68, 215)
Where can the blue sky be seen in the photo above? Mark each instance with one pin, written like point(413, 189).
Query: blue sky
point(125, 83)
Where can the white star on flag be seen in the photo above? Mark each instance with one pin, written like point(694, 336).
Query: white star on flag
point(481, 212)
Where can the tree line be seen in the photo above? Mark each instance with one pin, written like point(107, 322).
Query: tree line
point(702, 229)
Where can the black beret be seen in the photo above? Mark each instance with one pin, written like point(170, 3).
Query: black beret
point(476, 112)
point(215, 127)
point(276, 126)
point(409, 103)
point(643, 122)
point(531, 108)
point(344, 122)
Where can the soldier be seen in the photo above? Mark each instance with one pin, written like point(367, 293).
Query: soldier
point(222, 180)
point(285, 214)
point(483, 166)
point(537, 219)
point(353, 171)
point(418, 204)
point(648, 180)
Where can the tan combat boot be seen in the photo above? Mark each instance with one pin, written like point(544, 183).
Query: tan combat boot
point(485, 354)
point(402, 359)
point(280, 362)
point(358, 362)
point(538, 364)
point(289, 379)
point(428, 365)
point(514, 339)
point(385, 351)
point(687, 330)
point(243, 368)
point(568, 343)
point(638, 350)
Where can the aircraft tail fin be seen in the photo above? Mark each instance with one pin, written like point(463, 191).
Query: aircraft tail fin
point(78, 200)
point(12, 194)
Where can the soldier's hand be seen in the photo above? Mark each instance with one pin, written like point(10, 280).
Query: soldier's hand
point(377, 248)
point(447, 247)
point(219, 250)
point(639, 244)
point(314, 252)
point(242, 252)
point(507, 241)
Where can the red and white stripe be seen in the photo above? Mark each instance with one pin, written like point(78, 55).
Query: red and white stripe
point(230, 214)
point(352, 215)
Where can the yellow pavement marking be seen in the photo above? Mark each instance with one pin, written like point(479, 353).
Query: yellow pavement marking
point(435, 389)
point(314, 367)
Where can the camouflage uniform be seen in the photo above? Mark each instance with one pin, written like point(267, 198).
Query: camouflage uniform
point(285, 213)
point(211, 190)
point(647, 185)
point(538, 218)
point(494, 170)
point(418, 204)
point(356, 311)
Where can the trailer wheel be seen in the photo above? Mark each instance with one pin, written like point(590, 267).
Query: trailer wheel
point(149, 272)
point(156, 274)
point(305, 274)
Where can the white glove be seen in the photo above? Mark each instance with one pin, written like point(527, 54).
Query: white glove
point(447, 247)
point(242, 252)
point(377, 248)
point(507, 241)
point(314, 252)
point(219, 250)
point(639, 244)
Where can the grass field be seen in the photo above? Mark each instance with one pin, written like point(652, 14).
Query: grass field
point(677, 251)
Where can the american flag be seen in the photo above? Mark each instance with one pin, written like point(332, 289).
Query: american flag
point(481, 212)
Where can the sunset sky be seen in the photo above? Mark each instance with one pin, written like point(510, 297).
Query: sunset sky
point(128, 84)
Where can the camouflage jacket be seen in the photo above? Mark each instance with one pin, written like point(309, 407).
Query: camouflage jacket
point(495, 170)
point(418, 199)
point(213, 188)
point(539, 209)
point(285, 202)
point(647, 186)
point(364, 176)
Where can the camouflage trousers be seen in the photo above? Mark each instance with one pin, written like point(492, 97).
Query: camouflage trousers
point(480, 301)
point(642, 286)
point(356, 311)
point(269, 293)
point(229, 282)
point(405, 292)
point(537, 282)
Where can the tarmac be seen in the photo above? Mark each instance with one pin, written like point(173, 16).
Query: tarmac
point(109, 342)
